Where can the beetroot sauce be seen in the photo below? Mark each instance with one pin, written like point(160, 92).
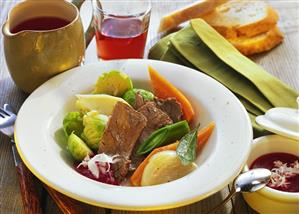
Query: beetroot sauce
point(107, 178)
point(284, 168)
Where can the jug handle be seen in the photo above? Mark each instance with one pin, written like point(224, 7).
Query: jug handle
point(90, 32)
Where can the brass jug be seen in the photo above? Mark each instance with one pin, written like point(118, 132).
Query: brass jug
point(35, 56)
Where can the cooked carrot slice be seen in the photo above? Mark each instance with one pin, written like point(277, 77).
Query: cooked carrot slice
point(164, 89)
point(204, 134)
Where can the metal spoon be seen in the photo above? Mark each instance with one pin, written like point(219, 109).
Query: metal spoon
point(249, 181)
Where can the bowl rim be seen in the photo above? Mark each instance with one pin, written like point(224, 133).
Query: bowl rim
point(269, 192)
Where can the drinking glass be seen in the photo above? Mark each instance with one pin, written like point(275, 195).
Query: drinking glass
point(121, 28)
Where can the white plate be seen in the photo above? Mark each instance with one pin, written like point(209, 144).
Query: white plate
point(220, 161)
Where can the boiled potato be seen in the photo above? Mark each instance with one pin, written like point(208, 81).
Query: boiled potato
point(102, 103)
point(164, 167)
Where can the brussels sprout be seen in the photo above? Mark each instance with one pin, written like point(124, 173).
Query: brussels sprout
point(114, 83)
point(73, 122)
point(130, 95)
point(94, 126)
point(78, 149)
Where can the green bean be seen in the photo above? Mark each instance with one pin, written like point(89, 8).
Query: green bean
point(163, 136)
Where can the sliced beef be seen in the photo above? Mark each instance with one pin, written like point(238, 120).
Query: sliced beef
point(172, 107)
point(139, 101)
point(156, 118)
point(120, 136)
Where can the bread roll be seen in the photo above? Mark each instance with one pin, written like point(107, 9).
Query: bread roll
point(237, 18)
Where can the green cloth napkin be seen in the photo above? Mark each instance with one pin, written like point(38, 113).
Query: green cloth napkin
point(271, 87)
point(186, 44)
point(200, 47)
point(160, 48)
point(157, 51)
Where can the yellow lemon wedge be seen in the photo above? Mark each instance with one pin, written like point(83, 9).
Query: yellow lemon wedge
point(164, 167)
point(102, 103)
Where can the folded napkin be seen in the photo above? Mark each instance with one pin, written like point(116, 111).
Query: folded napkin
point(200, 47)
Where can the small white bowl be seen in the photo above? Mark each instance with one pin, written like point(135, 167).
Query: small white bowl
point(268, 200)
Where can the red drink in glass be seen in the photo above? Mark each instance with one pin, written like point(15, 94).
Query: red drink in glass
point(120, 38)
point(121, 28)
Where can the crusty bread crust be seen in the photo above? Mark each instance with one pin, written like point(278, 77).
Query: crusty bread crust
point(192, 11)
point(242, 22)
point(261, 26)
point(259, 43)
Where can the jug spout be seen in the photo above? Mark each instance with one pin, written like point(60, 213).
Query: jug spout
point(5, 29)
point(13, 19)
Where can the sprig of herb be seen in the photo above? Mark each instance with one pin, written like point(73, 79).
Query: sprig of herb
point(186, 149)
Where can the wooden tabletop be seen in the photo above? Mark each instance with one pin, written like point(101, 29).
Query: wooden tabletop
point(281, 62)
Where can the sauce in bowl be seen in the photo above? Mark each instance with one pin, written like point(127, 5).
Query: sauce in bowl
point(284, 168)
